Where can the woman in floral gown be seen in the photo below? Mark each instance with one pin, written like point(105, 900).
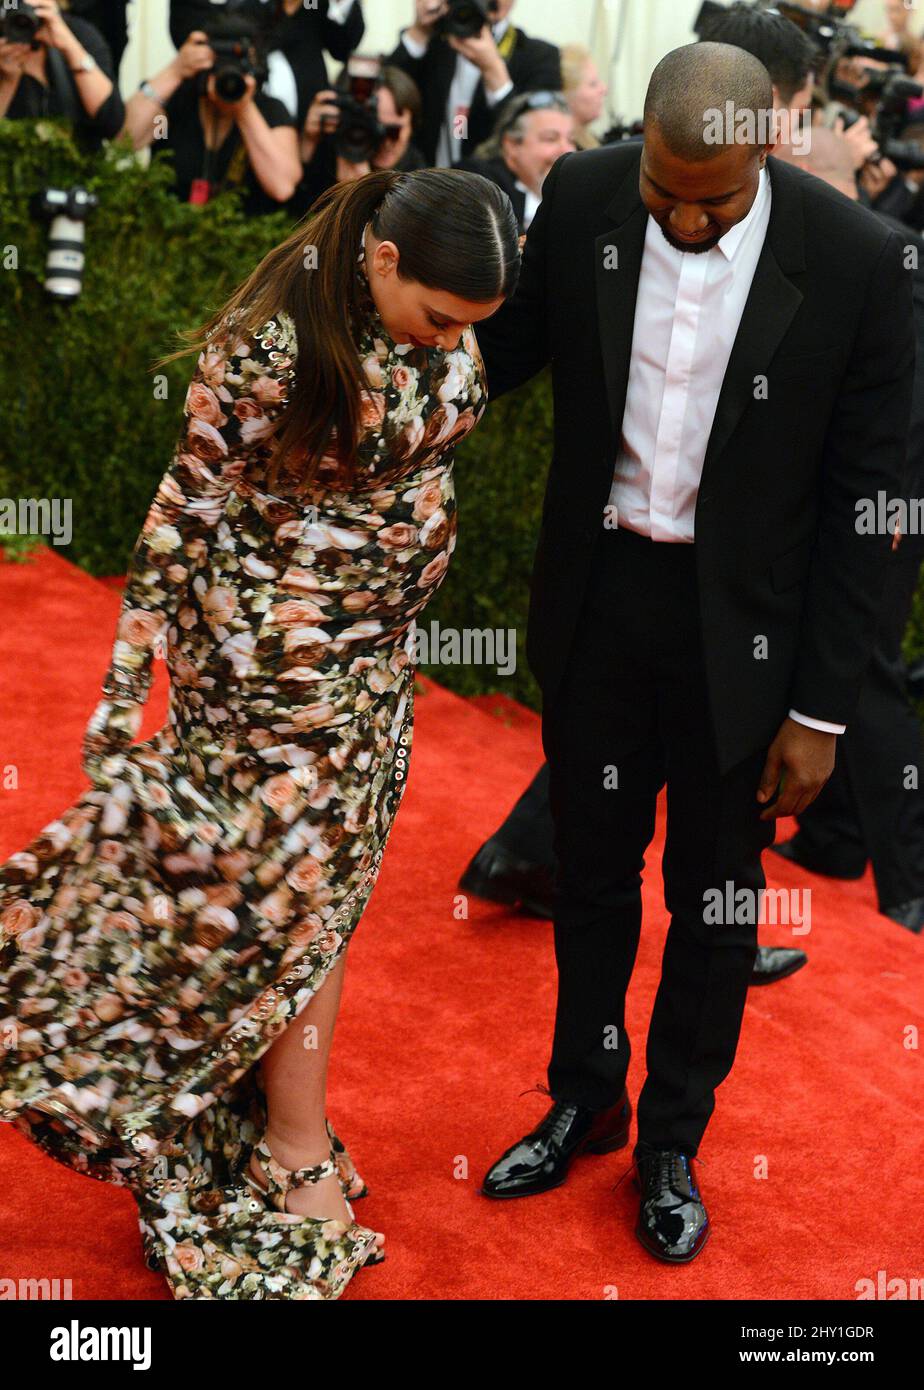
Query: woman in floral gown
point(164, 942)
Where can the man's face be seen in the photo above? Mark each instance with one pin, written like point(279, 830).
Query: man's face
point(548, 134)
point(696, 204)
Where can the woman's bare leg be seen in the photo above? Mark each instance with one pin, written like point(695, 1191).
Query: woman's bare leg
point(294, 1074)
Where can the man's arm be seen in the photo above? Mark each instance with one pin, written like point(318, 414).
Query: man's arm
point(514, 342)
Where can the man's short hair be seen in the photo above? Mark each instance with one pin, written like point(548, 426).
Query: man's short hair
point(785, 51)
point(699, 78)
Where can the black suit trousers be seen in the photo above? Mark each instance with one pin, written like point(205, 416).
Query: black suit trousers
point(631, 715)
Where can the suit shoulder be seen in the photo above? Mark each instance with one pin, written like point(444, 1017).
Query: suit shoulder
point(537, 48)
point(832, 217)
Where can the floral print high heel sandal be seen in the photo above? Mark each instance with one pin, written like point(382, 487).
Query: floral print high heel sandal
point(281, 1181)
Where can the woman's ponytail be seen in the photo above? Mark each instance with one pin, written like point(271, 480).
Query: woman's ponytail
point(454, 231)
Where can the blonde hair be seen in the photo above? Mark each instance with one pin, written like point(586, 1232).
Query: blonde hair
point(574, 60)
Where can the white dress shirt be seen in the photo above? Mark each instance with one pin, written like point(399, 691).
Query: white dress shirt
point(532, 202)
point(461, 91)
point(687, 316)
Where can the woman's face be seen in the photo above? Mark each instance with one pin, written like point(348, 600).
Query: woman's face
point(412, 312)
point(392, 150)
point(586, 99)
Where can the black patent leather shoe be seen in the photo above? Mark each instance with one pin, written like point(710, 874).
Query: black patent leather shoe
point(835, 863)
point(541, 1160)
point(502, 878)
point(774, 963)
point(672, 1220)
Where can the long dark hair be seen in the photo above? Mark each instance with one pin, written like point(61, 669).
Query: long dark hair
point(455, 231)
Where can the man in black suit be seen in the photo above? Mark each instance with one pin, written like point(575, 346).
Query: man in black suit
point(464, 82)
point(703, 605)
point(872, 809)
point(516, 865)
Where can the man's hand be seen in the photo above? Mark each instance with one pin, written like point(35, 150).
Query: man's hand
point(483, 52)
point(799, 762)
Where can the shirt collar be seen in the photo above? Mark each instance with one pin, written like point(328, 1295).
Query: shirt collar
point(500, 28)
point(733, 238)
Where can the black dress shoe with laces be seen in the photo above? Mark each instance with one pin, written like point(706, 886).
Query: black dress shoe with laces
point(502, 878)
point(540, 1161)
point(672, 1221)
point(775, 963)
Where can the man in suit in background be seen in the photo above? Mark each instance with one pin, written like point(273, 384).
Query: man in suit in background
point(703, 606)
point(465, 81)
point(532, 131)
point(871, 809)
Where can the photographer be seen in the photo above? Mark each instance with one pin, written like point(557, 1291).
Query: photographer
point(216, 141)
point(381, 140)
point(532, 131)
point(65, 70)
point(464, 80)
point(297, 36)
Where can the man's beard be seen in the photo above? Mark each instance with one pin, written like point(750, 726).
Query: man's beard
point(697, 249)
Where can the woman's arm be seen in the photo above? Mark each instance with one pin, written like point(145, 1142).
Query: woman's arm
point(231, 406)
point(271, 150)
point(141, 112)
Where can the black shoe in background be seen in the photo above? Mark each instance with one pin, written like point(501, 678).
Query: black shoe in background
point(834, 863)
point(774, 963)
point(672, 1220)
point(502, 878)
point(909, 914)
point(541, 1160)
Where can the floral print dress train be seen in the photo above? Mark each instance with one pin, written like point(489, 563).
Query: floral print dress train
point(162, 932)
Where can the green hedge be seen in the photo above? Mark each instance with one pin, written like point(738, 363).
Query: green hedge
point(82, 419)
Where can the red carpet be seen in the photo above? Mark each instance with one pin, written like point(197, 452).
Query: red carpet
point(811, 1166)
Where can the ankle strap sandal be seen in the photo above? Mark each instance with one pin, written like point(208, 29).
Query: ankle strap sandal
point(281, 1181)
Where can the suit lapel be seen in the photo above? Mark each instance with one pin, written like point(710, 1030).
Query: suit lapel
point(618, 261)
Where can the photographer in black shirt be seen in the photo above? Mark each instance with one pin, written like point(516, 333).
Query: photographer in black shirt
point(64, 70)
point(296, 34)
point(217, 140)
point(396, 107)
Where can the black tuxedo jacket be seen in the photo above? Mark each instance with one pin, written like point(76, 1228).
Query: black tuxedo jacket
point(533, 65)
point(813, 415)
point(496, 170)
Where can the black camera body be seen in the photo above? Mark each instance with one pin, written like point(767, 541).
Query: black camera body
point(19, 25)
point(466, 18)
point(360, 133)
point(239, 53)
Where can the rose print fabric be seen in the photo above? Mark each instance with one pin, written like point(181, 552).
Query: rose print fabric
point(160, 934)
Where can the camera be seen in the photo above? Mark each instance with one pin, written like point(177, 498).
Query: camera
point(239, 53)
point(466, 18)
point(66, 209)
point(19, 25)
point(894, 93)
point(360, 133)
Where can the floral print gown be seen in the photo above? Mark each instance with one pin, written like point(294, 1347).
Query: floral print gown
point(162, 932)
